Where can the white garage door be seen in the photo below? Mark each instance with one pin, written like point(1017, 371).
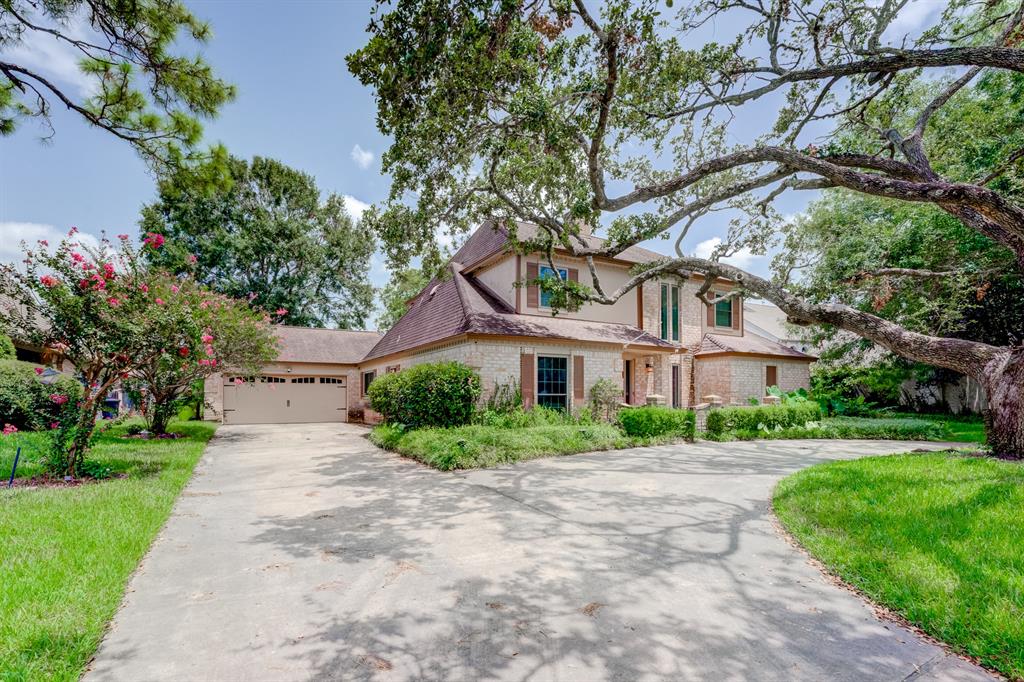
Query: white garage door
point(285, 400)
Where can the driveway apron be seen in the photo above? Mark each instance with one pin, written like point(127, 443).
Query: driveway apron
point(303, 552)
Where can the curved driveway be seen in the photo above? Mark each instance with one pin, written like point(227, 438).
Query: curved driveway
point(303, 552)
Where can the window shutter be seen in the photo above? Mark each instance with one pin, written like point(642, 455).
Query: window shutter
point(526, 379)
point(711, 313)
point(574, 275)
point(577, 377)
point(675, 313)
point(664, 311)
point(532, 291)
point(737, 311)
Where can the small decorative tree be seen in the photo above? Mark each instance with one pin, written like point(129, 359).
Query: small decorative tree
point(605, 396)
point(95, 307)
point(219, 332)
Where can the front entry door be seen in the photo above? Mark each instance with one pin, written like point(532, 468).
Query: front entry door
point(628, 385)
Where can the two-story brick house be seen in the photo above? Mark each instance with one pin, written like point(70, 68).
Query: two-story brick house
point(660, 340)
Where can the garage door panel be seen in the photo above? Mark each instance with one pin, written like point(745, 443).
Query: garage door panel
point(285, 400)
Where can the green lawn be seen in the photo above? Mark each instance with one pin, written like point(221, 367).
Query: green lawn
point(68, 553)
point(963, 429)
point(936, 537)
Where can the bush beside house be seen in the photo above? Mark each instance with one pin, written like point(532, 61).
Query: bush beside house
point(759, 418)
point(441, 394)
point(656, 421)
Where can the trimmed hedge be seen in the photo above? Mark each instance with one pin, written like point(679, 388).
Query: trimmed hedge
point(854, 428)
point(757, 418)
point(434, 394)
point(25, 400)
point(656, 420)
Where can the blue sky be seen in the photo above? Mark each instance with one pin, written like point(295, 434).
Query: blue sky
point(296, 103)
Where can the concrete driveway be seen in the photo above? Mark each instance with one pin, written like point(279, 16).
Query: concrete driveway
point(303, 552)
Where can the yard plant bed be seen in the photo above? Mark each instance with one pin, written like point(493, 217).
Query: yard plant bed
point(934, 537)
point(475, 446)
point(870, 428)
point(69, 551)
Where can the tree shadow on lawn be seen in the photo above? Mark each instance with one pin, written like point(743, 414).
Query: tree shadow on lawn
point(586, 567)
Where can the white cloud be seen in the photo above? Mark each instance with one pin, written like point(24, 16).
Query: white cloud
point(46, 54)
point(12, 234)
point(741, 259)
point(362, 157)
point(355, 207)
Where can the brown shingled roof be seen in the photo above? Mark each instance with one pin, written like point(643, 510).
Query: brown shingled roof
point(462, 304)
point(750, 344)
point(310, 344)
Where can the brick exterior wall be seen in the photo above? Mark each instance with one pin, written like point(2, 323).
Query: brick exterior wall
point(737, 379)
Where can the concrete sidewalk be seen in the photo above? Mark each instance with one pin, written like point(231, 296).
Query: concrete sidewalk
point(303, 552)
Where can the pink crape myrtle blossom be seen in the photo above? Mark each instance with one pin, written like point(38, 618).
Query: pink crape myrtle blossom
point(159, 301)
point(58, 398)
point(10, 429)
point(281, 311)
point(49, 281)
point(206, 338)
point(154, 240)
point(39, 370)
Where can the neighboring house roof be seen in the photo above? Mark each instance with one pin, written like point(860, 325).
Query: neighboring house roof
point(461, 304)
point(335, 346)
point(720, 344)
point(765, 319)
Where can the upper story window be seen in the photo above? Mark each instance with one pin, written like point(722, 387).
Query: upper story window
point(723, 313)
point(545, 271)
point(669, 312)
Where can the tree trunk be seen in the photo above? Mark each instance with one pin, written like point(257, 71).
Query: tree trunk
point(1004, 420)
point(160, 415)
point(84, 427)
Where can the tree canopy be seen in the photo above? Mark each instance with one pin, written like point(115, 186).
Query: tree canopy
point(635, 117)
point(270, 237)
point(141, 87)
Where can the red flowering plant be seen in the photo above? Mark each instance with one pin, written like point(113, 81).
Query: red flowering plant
point(93, 307)
point(220, 332)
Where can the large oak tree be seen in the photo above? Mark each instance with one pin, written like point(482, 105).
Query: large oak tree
point(630, 115)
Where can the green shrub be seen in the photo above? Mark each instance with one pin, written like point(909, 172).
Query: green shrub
point(605, 398)
point(434, 394)
point(853, 428)
point(656, 420)
point(538, 416)
point(468, 447)
point(760, 418)
point(25, 400)
point(7, 351)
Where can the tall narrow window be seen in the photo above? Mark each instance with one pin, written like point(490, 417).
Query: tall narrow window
point(723, 313)
point(545, 271)
point(675, 313)
point(664, 311)
point(368, 378)
point(553, 382)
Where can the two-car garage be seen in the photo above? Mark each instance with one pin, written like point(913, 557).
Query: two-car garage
point(314, 379)
point(285, 400)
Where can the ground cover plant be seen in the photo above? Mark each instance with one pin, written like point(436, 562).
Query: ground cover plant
point(68, 552)
point(935, 537)
point(501, 437)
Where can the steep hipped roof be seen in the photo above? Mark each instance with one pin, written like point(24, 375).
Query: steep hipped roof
point(715, 344)
point(308, 344)
point(461, 304)
point(491, 238)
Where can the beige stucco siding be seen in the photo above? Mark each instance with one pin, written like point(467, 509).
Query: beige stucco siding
point(612, 276)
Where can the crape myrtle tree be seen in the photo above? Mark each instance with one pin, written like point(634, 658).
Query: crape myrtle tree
point(574, 115)
point(145, 91)
point(96, 308)
point(218, 332)
point(269, 236)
